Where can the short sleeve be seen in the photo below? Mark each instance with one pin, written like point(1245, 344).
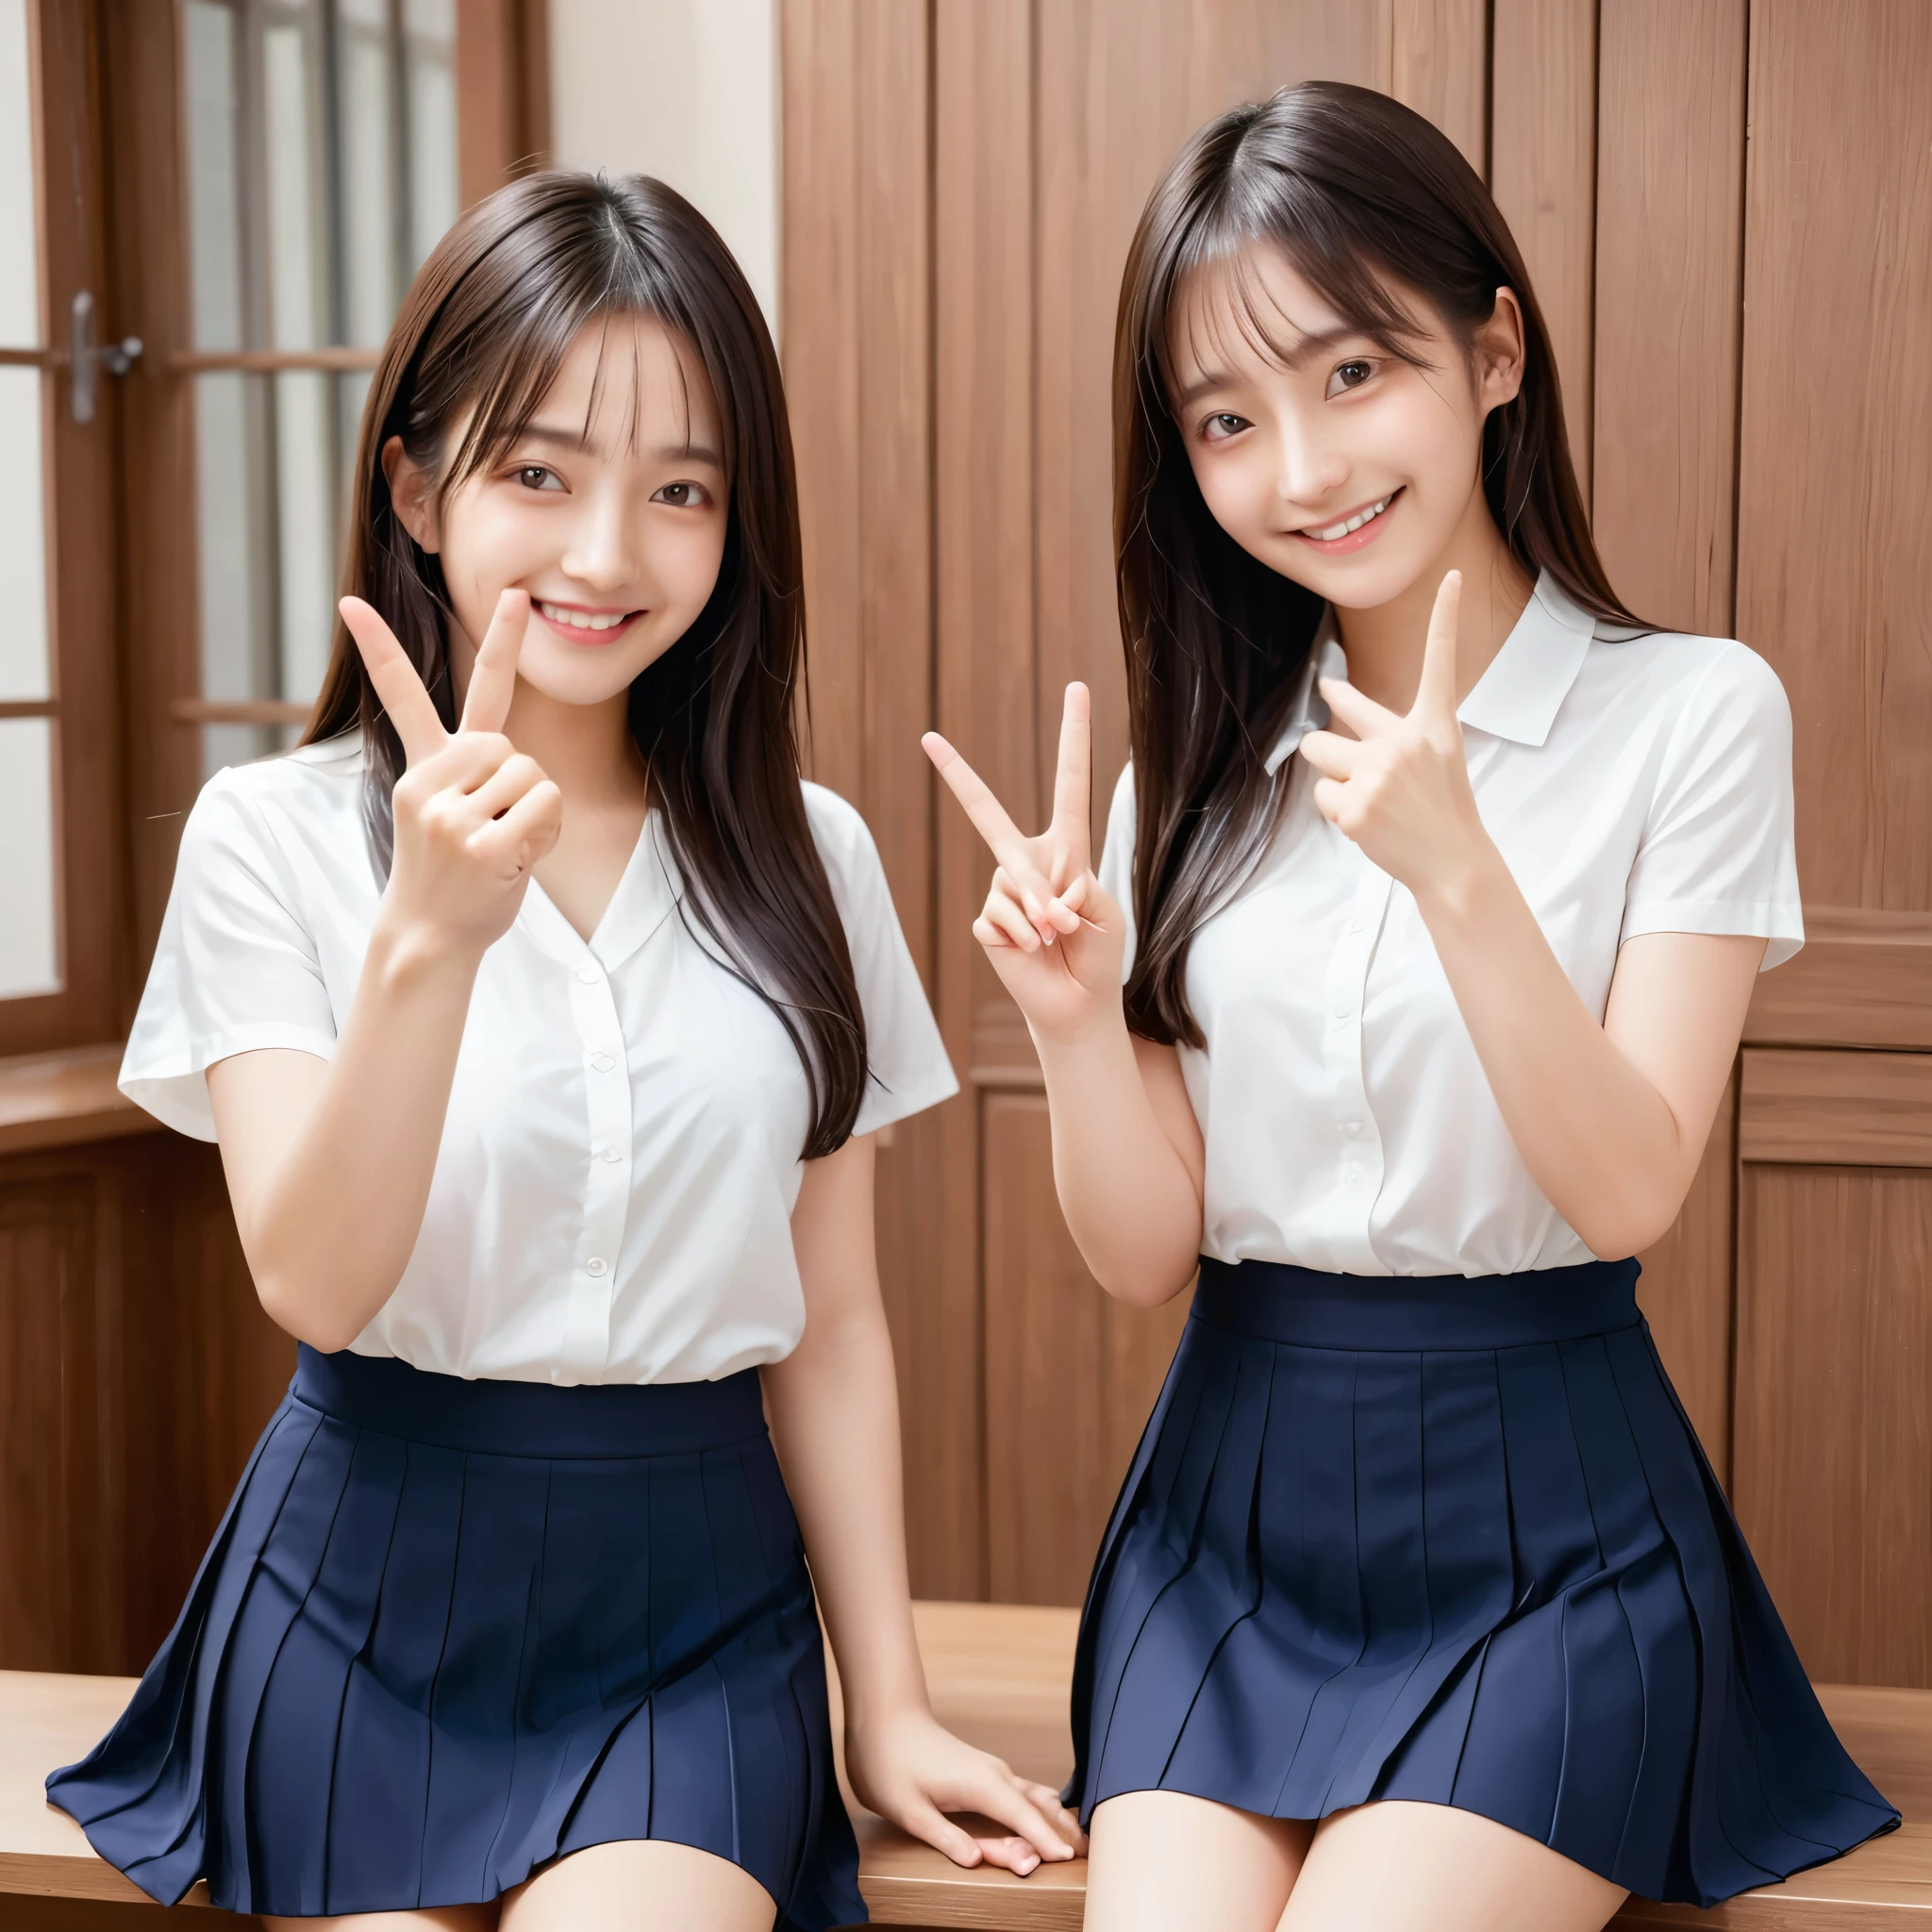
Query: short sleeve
point(1718, 853)
point(908, 1066)
point(1116, 869)
point(234, 971)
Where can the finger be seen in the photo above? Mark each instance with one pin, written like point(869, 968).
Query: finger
point(494, 676)
point(937, 1831)
point(410, 707)
point(1010, 1853)
point(1435, 696)
point(1327, 797)
point(1064, 1821)
point(1003, 914)
point(501, 790)
point(990, 937)
point(1357, 710)
point(987, 815)
point(1334, 756)
point(1072, 785)
point(522, 837)
point(1003, 1800)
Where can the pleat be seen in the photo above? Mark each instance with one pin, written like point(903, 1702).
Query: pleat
point(142, 1794)
point(295, 1731)
point(377, 1812)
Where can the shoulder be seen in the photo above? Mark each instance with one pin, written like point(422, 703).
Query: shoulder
point(847, 851)
point(299, 805)
point(1678, 669)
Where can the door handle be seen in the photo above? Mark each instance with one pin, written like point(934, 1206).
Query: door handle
point(90, 357)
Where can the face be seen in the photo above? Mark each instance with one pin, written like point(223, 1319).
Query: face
point(609, 509)
point(1336, 464)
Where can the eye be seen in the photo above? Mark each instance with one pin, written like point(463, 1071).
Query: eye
point(1350, 375)
point(1222, 425)
point(683, 495)
point(536, 476)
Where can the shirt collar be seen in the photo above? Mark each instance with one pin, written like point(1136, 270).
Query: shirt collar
point(644, 898)
point(1518, 698)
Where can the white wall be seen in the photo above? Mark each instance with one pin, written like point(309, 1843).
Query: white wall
point(685, 90)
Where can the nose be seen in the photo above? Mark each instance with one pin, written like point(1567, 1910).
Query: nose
point(1310, 467)
point(602, 554)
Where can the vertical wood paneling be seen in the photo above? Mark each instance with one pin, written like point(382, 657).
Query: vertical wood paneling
point(1543, 171)
point(1440, 66)
point(1832, 1469)
point(1668, 279)
point(1835, 505)
point(1685, 1291)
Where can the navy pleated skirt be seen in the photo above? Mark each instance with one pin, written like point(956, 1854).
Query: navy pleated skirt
point(1453, 1541)
point(449, 1631)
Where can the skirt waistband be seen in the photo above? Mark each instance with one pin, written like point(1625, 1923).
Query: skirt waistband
point(529, 1418)
point(1275, 1301)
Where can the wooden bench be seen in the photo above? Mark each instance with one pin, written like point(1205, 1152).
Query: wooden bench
point(999, 1677)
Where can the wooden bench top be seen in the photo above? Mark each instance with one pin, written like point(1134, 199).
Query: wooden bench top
point(999, 1677)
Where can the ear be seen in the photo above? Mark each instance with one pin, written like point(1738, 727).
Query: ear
point(1498, 353)
point(412, 490)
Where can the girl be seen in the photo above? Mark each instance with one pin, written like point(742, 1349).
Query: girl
point(1438, 885)
point(542, 1017)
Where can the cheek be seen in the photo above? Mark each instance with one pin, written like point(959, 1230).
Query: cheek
point(686, 553)
point(487, 544)
point(1239, 486)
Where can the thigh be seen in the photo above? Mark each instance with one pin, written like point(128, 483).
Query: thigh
point(640, 1885)
point(425, 1919)
point(1429, 1868)
point(1159, 1861)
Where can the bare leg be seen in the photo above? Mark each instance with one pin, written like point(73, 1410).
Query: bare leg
point(1163, 1862)
point(432, 1919)
point(640, 1886)
point(1428, 1868)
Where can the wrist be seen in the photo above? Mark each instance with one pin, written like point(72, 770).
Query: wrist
point(1104, 1025)
point(1461, 893)
point(408, 956)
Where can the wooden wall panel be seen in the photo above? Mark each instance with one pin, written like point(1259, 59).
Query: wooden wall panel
point(1439, 64)
point(1543, 171)
point(1832, 1468)
point(1834, 507)
point(856, 344)
point(1684, 1290)
point(1669, 279)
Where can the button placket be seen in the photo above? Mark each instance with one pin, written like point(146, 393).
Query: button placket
point(1359, 1162)
point(607, 1172)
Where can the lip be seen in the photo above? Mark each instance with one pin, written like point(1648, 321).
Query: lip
point(1355, 540)
point(581, 635)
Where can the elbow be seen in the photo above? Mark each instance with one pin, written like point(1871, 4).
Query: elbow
point(1147, 1288)
point(1614, 1227)
point(296, 1309)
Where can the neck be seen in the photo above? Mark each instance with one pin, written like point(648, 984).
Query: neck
point(1384, 644)
point(586, 748)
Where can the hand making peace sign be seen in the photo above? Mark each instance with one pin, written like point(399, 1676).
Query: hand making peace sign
point(1054, 936)
point(473, 814)
point(1400, 787)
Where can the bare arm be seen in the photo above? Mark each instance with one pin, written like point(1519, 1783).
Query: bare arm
point(1611, 1119)
point(834, 1409)
point(329, 1162)
point(1126, 1149)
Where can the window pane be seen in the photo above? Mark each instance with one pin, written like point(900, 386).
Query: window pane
point(23, 538)
point(19, 263)
point(322, 154)
point(29, 953)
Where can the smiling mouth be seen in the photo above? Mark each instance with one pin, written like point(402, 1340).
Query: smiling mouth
point(587, 626)
point(1348, 526)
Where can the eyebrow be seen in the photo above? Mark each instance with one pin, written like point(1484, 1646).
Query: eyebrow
point(1303, 350)
point(558, 438)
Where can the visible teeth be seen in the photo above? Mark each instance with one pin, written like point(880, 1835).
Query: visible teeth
point(582, 620)
point(1354, 522)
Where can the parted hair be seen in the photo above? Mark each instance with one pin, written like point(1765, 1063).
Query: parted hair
point(480, 338)
point(1377, 210)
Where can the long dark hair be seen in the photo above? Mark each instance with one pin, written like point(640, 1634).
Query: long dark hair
point(484, 330)
point(1369, 202)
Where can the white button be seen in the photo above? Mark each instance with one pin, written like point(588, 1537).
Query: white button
point(1351, 1179)
point(1342, 1009)
point(603, 1061)
point(613, 1153)
point(588, 974)
point(596, 1264)
point(1357, 925)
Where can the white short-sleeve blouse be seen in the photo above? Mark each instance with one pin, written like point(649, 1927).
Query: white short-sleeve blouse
point(612, 1197)
point(1634, 784)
